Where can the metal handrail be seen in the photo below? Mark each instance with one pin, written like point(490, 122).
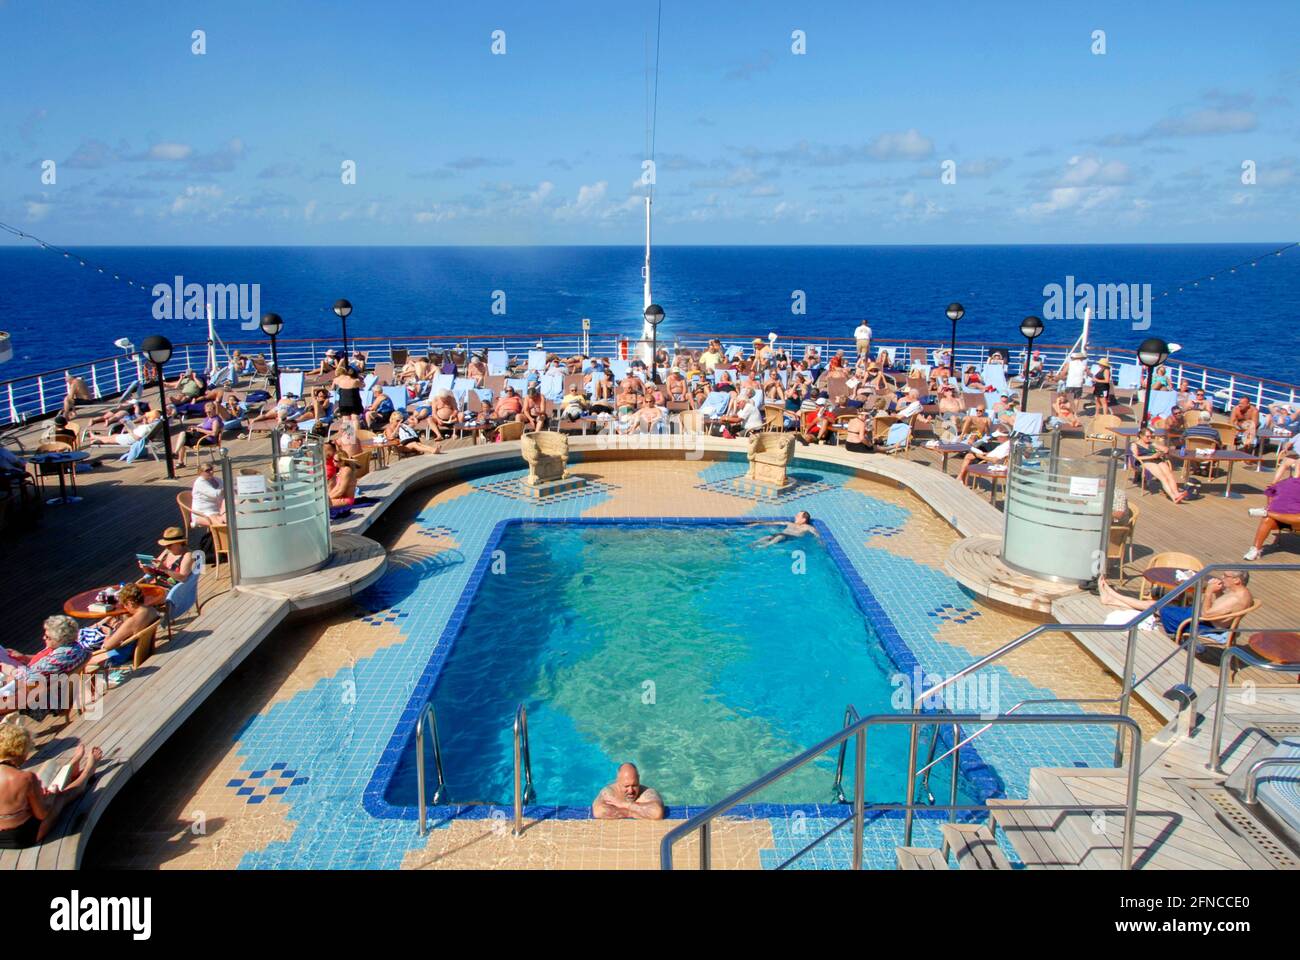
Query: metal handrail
point(441, 788)
point(523, 767)
point(1252, 659)
point(1128, 681)
point(837, 788)
point(1252, 776)
point(703, 821)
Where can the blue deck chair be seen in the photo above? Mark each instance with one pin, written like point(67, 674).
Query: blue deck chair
point(1029, 426)
point(995, 376)
point(1162, 401)
point(184, 595)
point(460, 388)
point(619, 368)
point(552, 387)
point(520, 385)
point(735, 353)
point(291, 383)
point(497, 361)
point(715, 404)
point(1128, 377)
point(442, 381)
point(536, 359)
point(370, 380)
point(897, 438)
point(137, 449)
point(398, 396)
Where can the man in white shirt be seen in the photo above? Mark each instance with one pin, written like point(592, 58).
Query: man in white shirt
point(1076, 372)
point(999, 449)
point(863, 336)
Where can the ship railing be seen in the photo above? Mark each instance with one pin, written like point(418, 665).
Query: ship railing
point(32, 396)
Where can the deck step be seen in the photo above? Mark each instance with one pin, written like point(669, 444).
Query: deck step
point(974, 847)
point(920, 858)
point(1032, 835)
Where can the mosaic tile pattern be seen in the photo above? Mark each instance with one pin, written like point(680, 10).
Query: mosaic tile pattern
point(260, 784)
point(511, 489)
point(803, 488)
point(330, 708)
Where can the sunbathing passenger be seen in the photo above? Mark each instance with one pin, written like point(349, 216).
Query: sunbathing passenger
point(206, 433)
point(995, 451)
point(77, 393)
point(627, 799)
point(1245, 420)
point(30, 803)
point(533, 413)
point(343, 489)
point(408, 441)
point(1153, 458)
point(175, 563)
point(1224, 596)
point(445, 416)
point(132, 430)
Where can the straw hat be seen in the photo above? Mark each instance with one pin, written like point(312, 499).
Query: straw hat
point(172, 535)
point(1104, 362)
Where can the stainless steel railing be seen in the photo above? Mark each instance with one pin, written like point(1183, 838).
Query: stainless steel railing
point(524, 792)
point(703, 822)
point(440, 790)
point(1250, 658)
point(1258, 767)
point(1128, 681)
point(837, 789)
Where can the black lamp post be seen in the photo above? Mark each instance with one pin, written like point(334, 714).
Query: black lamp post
point(654, 315)
point(159, 350)
point(1031, 327)
point(271, 326)
point(955, 312)
point(343, 308)
point(1151, 353)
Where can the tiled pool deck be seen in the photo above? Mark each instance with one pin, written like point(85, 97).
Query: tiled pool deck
point(273, 771)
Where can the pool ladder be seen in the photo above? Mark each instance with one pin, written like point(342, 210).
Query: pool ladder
point(524, 792)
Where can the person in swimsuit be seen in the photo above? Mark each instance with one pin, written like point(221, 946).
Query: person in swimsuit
point(800, 526)
point(343, 491)
point(1153, 457)
point(408, 440)
point(627, 798)
point(29, 804)
point(1101, 386)
point(175, 561)
point(349, 388)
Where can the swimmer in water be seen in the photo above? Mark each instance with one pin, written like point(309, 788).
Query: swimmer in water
point(802, 524)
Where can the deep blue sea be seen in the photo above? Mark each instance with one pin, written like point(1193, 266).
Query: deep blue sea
point(59, 311)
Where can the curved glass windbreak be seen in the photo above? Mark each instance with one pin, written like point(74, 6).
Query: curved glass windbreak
point(280, 524)
point(1057, 513)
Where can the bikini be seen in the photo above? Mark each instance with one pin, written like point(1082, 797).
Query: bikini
point(24, 834)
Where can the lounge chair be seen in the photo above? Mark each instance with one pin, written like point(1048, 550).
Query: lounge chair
point(1222, 637)
point(897, 439)
point(291, 383)
point(148, 443)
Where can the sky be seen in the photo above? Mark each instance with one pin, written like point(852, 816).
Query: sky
point(921, 122)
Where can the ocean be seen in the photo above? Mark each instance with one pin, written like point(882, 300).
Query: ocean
point(59, 311)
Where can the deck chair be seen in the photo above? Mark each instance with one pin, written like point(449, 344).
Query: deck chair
point(620, 369)
point(1162, 401)
point(519, 383)
point(185, 595)
point(1028, 426)
point(1128, 377)
point(397, 396)
point(384, 373)
point(995, 375)
point(1120, 545)
point(1102, 430)
point(537, 360)
point(714, 405)
point(400, 356)
point(552, 387)
point(1222, 637)
point(498, 362)
point(443, 381)
point(897, 439)
point(291, 383)
point(461, 388)
point(146, 444)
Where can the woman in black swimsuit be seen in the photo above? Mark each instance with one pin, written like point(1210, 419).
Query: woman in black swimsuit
point(1101, 385)
point(27, 808)
point(1153, 457)
point(349, 388)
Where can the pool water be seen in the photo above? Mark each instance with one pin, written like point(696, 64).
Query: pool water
point(705, 659)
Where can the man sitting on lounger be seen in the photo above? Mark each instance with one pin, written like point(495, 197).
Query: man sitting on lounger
point(627, 798)
point(801, 525)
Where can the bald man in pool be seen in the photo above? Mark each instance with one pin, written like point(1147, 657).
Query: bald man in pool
point(627, 799)
point(801, 525)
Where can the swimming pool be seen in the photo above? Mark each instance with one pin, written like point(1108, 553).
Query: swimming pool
point(678, 644)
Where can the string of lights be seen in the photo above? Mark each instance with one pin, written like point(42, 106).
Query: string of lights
point(1252, 262)
point(72, 255)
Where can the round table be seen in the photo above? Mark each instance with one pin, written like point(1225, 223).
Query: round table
point(67, 462)
point(1134, 431)
point(1166, 577)
point(992, 472)
point(79, 606)
point(948, 448)
point(1276, 646)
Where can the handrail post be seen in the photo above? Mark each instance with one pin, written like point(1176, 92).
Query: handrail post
point(706, 844)
point(1220, 706)
point(1126, 687)
point(1131, 800)
point(519, 785)
point(911, 778)
point(1194, 638)
point(859, 795)
point(956, 771)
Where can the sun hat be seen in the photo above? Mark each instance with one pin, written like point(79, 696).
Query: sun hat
point(821, 401)
point(1104, 362)
point(172, 535)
